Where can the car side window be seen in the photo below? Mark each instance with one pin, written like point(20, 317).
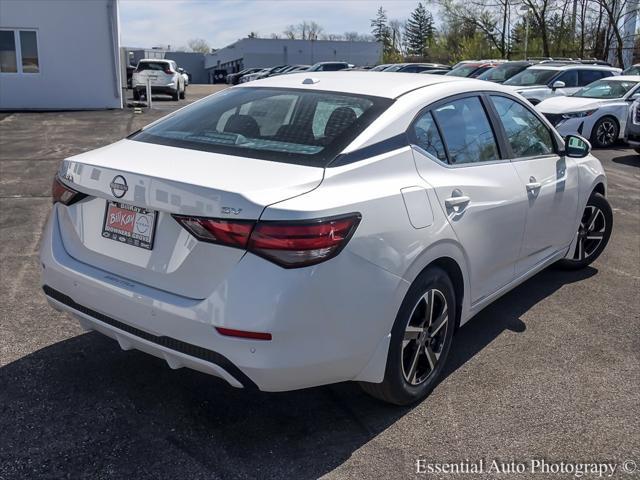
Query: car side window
point(426, 136)
point(585, 77)
point(467, 132)
point(570, 78)
point(526, 134)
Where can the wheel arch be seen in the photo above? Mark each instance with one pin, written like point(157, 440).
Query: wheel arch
point(450, 257)
point(603, 117)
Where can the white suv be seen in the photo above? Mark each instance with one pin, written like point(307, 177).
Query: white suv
point(554, 79)
point(164, 78)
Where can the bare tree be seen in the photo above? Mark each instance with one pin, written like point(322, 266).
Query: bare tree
point(199, 45)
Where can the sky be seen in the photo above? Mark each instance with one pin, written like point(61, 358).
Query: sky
point(147, 23)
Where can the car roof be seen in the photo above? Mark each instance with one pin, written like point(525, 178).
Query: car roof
point(622, 78)
point(572, 66)
point(387, 84)
point(154, 60)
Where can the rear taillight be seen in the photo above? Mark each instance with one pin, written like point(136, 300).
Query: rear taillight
point(167, 70)
point(298, 244)
point(64, 194)
point(213, 230)
point(288, 244)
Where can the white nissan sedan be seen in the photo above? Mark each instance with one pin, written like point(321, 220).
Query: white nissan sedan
point(320, 227)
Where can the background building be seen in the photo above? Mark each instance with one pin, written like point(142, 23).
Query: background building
point(267, 52)
point(61, 54)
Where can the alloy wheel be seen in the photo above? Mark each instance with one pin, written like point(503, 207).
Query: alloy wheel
point(424, 337)
point(606, 133)
point(591, 232)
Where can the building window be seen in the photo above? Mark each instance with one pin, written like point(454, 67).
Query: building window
point(22, 45)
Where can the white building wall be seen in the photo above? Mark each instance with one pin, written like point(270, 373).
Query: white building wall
point(78, 45)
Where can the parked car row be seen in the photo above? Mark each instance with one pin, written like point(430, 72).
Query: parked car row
point(585, 97)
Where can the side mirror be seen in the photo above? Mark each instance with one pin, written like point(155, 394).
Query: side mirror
point(558, 84)
point(576, 146)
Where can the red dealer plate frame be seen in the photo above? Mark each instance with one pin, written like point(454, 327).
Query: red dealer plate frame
point(124, 223)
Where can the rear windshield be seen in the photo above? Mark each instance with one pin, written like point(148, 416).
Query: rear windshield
point(462, 71)
point(152, 66)
point(532, 76)
point(287, 125)
point(502, 72)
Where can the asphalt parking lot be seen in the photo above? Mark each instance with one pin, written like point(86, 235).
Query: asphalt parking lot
point(551, 371)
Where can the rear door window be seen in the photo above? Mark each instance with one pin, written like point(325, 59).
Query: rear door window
point(585, 77)
point(289, 125)
point(467, 131)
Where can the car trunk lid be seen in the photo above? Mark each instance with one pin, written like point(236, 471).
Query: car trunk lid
point(161, 181)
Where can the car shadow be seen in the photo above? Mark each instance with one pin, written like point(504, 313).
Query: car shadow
point(84, 408)
point(632, 160)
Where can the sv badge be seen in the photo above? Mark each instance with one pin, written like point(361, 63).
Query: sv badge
point(230, 211)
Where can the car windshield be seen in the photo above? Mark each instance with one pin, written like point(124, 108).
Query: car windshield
point(606, 89)
point(152, 66)
point(501, 72)
point(462, 71)
point(288, 125)
point(531, 76)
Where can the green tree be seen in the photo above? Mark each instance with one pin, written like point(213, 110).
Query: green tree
point(419, 31)
point(380, 30)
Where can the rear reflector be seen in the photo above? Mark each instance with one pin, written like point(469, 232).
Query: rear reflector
point(289, 244)
point(64, 194)
point(229, 332)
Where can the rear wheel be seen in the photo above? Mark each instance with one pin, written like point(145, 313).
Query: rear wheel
point(420, 340)
point(183, 94)
point(136, 95)
point(605, 132)
point(593, 234)
point(176, 95)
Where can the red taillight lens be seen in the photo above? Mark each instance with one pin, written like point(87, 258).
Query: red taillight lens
point(167, 70)
point(63, 194)
point(224, 232)
point(298, 244)
point(288, 244)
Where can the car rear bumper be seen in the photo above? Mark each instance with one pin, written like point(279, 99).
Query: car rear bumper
point(330, 323)
point(157, 89)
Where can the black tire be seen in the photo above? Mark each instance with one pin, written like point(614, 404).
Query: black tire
point(605, 132)
point(136, 95)
point(637, 150)
point(176, 96)
point(395, 388)
point(587, 252)
point(183, 94)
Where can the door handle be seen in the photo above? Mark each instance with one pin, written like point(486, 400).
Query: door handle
point(533, 185)
point(457, 203)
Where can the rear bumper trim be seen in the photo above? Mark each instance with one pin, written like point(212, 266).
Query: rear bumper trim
point(167, 342)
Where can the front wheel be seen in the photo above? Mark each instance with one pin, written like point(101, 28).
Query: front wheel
point(420, 340)
point(605, 132)
point(593, 234)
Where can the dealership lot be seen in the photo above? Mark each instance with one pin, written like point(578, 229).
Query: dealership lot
point(550, 371)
